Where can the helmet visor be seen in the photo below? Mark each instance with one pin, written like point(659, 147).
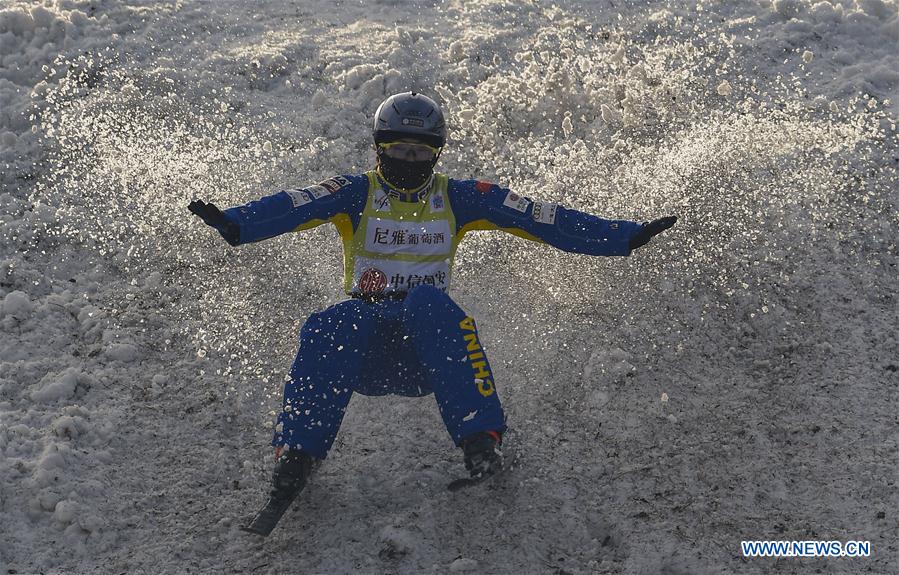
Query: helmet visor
point(410, 151)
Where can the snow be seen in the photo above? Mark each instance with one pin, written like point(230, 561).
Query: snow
point(17, 304)
point(463, 565)
point(60, 386)
point(734, 379)
point(724, 89)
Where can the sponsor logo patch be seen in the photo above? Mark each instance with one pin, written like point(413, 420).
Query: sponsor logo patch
point(334, 184)
point(401, 281)
point(391, 237)
point(545, 213)
point(317, 191)
point(516, 202)
point(482, 376)
point(299, 197)
point(483, 187)
point(437, 203)
point(372, 280)
point(417, 122)
point(381, 201)
point(400, 276)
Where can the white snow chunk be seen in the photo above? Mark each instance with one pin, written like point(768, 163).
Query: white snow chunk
point(51, 459)
point(68, 426)
point(359, 75)
point(466, 114)
point(463, 564)
point(396, 541)
point(607, 366)
point(787, 8)
point(65, 511)
point(17, 304)
point(50, 466)
point(609, 116)
point(808, 56)
point(470, 416)
point(457, 51)
point(319, 99)
point(724, 89)
point(566, 126)
point(90, 522)
point(661, 16)
point(47, 500)
point(88, 316)
point(60, 387)
point(877, 9)
point(596, 399)
point(123, 352)
point(153, 281)
point(74, 533)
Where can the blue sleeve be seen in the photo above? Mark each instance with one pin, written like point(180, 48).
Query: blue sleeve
point(485, 206)
point(300, 209)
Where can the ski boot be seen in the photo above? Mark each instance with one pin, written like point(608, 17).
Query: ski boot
point(483, 457)
point(292, 471)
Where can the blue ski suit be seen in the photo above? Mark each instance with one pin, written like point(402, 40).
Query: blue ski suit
point(400, 332)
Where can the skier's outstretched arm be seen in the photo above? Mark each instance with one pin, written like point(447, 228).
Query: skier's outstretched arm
point(285, 211)
point(213, 216)
point(484, 206)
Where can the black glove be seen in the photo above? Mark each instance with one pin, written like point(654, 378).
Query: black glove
point(212, 216)
point(651, 229)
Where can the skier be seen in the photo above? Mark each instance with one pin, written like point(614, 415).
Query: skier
point(400, 332)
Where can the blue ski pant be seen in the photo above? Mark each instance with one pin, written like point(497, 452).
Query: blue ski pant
point(413, 347)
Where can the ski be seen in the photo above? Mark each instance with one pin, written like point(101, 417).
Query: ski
point(463, 482)
point(268, 517)
point(510, 463)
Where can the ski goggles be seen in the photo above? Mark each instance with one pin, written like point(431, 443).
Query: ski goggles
point(410, 151)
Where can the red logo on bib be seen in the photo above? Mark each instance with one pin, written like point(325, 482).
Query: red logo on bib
point(372, 280)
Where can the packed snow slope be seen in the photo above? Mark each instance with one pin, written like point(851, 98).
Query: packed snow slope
point(735, 379)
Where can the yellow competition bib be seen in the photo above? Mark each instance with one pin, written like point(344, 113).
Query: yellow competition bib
point(400, 245)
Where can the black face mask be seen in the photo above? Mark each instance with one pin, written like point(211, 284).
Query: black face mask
point(403, 174)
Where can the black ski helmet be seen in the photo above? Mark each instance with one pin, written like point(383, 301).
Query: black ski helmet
point(409, 115)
